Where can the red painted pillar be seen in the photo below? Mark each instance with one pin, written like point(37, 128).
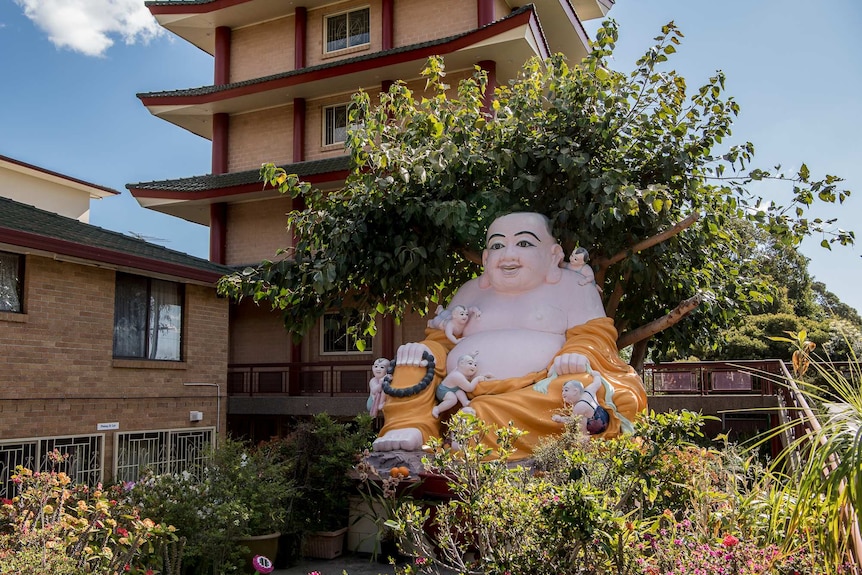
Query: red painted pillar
point(298, 129)
point(388, 336)
point(490, 66)
point(300, 25)
point(218, 232)
point(220, 139)
point(222, 56)
point(485, 10)
point(388, 14)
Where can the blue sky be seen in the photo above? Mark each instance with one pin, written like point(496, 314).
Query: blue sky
point(71, 69)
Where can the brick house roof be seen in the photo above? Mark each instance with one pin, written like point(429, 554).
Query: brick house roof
point(25, 226)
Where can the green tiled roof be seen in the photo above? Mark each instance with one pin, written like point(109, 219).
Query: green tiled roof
point(218, 181)
point(204, 90)
point(18, 217)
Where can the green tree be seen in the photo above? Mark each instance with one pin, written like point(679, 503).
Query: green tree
point(629, 166)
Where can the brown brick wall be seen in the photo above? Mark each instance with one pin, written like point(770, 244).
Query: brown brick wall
point(421, 21)
point(58, 376)
point(262, 50)
point(259, 137)
point(257, 335)
point(257, 230)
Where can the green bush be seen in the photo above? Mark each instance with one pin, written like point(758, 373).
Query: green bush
point(238, 492)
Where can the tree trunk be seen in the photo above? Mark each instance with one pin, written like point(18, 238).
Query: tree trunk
point(639, 350)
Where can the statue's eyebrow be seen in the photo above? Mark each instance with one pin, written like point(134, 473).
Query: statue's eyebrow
point(529, 232)
point(492, 236)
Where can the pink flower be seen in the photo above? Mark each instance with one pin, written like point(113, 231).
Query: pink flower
point(729, 540)
point(421, 561)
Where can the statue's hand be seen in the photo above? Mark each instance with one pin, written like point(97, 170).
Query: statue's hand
point(411, 354)
point(567, 363)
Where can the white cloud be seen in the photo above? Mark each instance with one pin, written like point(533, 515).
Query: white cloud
point(90, 26)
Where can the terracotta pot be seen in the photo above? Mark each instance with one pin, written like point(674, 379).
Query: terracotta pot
point(324, 544)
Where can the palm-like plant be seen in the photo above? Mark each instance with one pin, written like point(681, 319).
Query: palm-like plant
point(824, 466)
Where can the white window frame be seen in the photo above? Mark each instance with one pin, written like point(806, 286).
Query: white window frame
point(165, 460)
point(33, 451)
point(324, 137)
point(347, 15)
point(350, 348)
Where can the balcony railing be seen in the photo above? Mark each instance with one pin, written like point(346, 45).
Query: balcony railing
point(350, 378)
point(330, 378)
point(713, 377)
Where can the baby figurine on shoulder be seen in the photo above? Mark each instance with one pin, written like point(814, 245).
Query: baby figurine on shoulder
point(452, 321)
point(592, 417)
point(578, 264)
point(457, 384)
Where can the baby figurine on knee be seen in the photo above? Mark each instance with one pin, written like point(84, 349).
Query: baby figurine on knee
point(455, 386)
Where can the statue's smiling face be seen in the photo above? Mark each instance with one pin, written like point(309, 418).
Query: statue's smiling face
point(519, 253)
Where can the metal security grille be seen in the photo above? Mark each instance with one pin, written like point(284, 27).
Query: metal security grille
point(168, 451)
point(348, 30)
point(83, 458)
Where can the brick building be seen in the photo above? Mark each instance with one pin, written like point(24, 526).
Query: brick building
point(284, 73)
point(113, 349)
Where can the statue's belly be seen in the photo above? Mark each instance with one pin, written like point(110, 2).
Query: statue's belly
point(508, 353)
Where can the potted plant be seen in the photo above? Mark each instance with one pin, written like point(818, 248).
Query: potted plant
point(322, 451)
point(230, 502)
point(382, 495)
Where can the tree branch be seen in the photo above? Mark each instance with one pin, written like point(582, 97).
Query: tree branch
point(683, 309)
point(603, 264)
point(471, 256)
point(616, 295)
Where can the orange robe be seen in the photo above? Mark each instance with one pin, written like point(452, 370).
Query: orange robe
point(515, 400)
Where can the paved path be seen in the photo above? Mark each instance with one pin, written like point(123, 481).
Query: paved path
point(348, 563)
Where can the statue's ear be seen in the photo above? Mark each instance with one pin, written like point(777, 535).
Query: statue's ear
point(555, 272)
point(484, 282)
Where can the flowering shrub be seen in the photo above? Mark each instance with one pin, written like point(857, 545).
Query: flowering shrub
point(677, 549)
point(655, 503)
point(51, 526)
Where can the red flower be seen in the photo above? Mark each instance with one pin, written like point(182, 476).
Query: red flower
point(122, 532)
point(729, 540)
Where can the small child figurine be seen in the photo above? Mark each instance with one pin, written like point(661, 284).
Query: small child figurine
point(375, 386)
point(593, 418)
point(578, 264)
point(453, 320)
point(454, 386)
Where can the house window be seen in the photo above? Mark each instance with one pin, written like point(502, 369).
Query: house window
point(82, 459)
point(148, 318)
point(347, 30)
point(11, 282)
point(170, 451)
point(339, 335)
point(335, 124)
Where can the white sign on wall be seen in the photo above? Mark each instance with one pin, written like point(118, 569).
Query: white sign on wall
point(108, 426)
